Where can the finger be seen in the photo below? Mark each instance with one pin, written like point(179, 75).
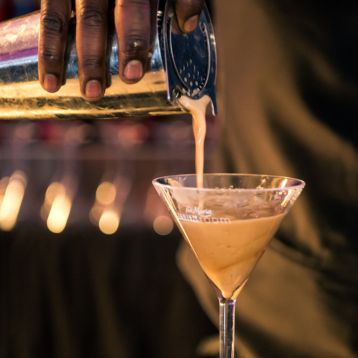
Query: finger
point(52, 43)
point(188, 12)
point(133, 25)
point(91, 43)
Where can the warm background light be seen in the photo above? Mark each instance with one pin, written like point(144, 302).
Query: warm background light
point(12, 191)
point(52, 191)
point(106, 193)
point(109, 222)
point(58, 205)
point(163, 225)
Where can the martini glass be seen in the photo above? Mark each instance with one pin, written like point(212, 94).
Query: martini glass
point(228, 224)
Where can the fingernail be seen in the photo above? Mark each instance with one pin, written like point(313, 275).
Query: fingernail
point(93, 89)
point(134, 70)
point(191, 23)
point(50, 83)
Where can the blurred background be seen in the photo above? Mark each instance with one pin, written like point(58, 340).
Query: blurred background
point(87, 250)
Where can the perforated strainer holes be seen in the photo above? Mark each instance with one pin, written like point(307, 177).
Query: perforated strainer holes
point(193, 79)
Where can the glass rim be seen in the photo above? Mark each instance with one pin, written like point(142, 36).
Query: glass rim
point(300, 184)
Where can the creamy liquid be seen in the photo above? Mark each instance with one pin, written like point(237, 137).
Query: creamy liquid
point(197, 109)
point(228, 251)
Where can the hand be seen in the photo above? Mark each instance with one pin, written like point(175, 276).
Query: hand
point(134, 22)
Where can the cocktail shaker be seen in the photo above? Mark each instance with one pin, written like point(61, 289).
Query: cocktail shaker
point(181, 64)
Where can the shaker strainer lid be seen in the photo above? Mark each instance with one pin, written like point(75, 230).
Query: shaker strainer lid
point(190, 59)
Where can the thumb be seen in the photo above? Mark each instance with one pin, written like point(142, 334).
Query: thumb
point(188, 12)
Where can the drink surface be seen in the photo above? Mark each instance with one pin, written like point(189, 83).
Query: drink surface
point(229, 250)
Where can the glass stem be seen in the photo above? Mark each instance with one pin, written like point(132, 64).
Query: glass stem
point(227, 328)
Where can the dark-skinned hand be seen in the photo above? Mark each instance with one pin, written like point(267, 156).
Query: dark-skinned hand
point(134, 24)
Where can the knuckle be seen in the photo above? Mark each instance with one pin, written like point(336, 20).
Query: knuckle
point(91, 63)
point(53, 23)
point(125, 3)
point(92, 17)
point(190, 6)
point(49, 55)
point(136, 44)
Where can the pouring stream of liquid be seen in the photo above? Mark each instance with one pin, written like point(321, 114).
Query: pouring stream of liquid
point(197, 109)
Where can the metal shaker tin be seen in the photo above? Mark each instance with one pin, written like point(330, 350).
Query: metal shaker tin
point(181, 64)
